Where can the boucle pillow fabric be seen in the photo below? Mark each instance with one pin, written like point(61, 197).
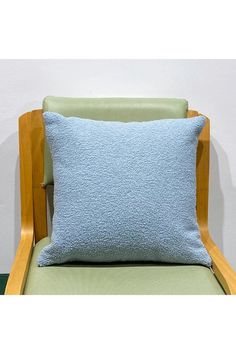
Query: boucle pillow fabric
point(124, 192)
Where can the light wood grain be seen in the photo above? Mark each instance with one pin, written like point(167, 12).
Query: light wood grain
point(18, 274)
point(39, 193)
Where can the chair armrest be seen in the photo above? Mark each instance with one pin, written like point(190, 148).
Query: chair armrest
point(17, 277)
point(220, 266)
point(19, 270)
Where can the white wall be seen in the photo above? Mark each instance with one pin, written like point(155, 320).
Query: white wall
point(209, 86)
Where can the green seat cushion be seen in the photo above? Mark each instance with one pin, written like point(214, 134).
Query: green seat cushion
point(125, 279)
point(111, 109)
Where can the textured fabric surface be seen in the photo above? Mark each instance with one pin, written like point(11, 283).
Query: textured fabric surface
point(135, 279)
point(124, 191)
point(112, 109)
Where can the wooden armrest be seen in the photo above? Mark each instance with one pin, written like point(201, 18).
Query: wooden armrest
point(17, 277)
point(220, 266)
point(19, 270)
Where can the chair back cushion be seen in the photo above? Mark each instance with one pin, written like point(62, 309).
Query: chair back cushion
point(111, 109)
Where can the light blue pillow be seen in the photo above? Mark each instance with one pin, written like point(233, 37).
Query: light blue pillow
point(124, 191)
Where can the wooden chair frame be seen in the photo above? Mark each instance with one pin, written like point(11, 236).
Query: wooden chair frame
point(34, 206)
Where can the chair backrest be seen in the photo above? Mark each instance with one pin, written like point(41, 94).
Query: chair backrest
point(112, 109)
point(123, 109)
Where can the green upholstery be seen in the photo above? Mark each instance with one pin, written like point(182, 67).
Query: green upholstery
point(119, 279)
point(120, 109)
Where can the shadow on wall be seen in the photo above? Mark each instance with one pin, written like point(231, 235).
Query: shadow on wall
point(9, 201)
point(219, 208)
point(17, 222)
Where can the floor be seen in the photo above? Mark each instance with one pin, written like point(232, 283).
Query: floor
point(3, 282)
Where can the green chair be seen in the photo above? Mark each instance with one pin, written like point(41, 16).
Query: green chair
point(36, 175)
